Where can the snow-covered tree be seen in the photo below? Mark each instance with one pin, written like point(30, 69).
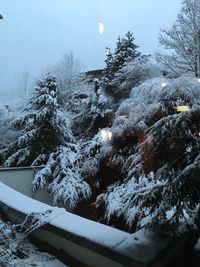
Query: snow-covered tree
point(93, 110)
point(133, 73)
point(68, 76)
point(7, 115)
point(125, 52)
point(183, 41)
point(46, 139)
point(158, 184)
point(24, 82)
point(15, 250)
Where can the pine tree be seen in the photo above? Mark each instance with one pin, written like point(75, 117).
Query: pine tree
point(42, 128)
point(46, 139)
point(125, 51)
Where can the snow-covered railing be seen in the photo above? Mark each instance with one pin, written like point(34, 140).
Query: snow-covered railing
point(89, 242)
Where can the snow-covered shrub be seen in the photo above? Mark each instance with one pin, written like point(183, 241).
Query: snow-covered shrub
point(88, 155)
point(132, 74)
point(102, 166)
point(160, 149)
point(94, 112)
point(8, 113)
point(14, 247)
point(62, 171)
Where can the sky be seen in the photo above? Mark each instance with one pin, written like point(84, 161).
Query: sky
point(35, 34)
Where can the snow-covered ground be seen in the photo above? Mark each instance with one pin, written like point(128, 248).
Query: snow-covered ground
point(10, 256)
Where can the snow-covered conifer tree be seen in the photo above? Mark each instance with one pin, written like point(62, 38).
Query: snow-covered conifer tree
point(125, 51)
point(46, 139)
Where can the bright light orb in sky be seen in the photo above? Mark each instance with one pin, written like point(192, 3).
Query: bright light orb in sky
point(101, 28)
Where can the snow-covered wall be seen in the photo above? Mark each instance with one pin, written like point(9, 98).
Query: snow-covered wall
point(21, 179)
point(89, 242)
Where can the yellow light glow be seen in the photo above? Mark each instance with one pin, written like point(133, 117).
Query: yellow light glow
point(106, 135)
point(109, 136)
point(182, 108)
point(101, 28)
point(164, 84)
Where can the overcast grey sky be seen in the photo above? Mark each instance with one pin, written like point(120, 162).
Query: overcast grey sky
point(36, 33)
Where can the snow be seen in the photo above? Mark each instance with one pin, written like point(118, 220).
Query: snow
point(80, 226)
point(11, 248)
point(139, 245)
point(51, 263)
point(150, 95)
point(47, 125)
point(197, 245)
point(148, 116)
point(102, 234)
point(37, 259)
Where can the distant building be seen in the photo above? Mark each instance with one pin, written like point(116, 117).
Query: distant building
point(94, 74)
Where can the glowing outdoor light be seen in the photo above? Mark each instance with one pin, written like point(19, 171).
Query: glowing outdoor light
point(163, 84)
point(182, 108)
point(106, 135)
point(197, 133)
point(198, 80)
point(109, 135)
point(101, 28)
